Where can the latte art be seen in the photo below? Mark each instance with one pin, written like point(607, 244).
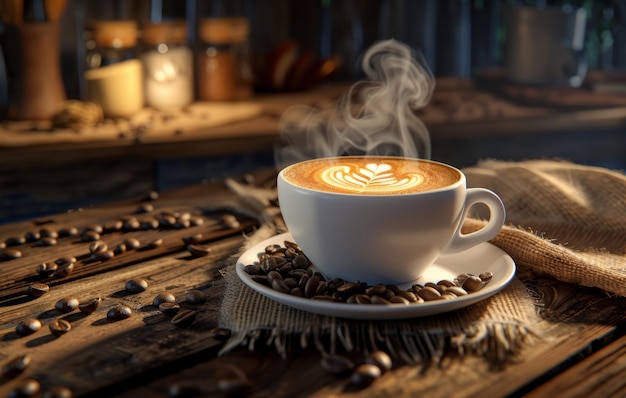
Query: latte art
point(371, 175)
point(379, 177)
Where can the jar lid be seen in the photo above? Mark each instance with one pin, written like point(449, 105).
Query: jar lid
point(166, 32)
point(224, 30)
point(117, 34)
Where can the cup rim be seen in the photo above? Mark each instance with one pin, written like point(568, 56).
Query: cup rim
point(460, 182)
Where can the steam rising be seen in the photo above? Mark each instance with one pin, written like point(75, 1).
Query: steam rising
point(375, 117)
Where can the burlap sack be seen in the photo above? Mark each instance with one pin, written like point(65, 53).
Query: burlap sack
point(564, 220)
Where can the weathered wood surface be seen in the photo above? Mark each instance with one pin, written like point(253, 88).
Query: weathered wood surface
point(580, 354)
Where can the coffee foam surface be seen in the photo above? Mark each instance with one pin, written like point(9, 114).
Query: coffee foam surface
point(371, 175)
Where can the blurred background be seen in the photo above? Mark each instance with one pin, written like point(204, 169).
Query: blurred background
point(99, 99)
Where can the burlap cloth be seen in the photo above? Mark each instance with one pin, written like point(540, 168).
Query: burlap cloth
point(565, 222)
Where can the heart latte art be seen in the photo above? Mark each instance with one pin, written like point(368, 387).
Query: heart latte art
point(371, 175)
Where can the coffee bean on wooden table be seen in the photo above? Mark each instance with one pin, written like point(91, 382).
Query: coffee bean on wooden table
point(195, 296)
point(48, 233)
point(365, 374)
point(118, 313)
point(169, 309)
point(37, 289)
point(65, 260)
point(68, 231)
point(197, 250)
point(153, 244)
point(192, 239)
point(90, 305)
point(32, 236)
point(3, 245)
point(58, 392)
point(15, 366)
point(113, 226)
point(66, 304)
point(144, 208)
point(102, 256)
point(98, 246)
point(64, 270)
point(46, 269)
point(136, 285)
point(47, 241)
point(132, 243)
point(59, 327)
point(90, 236)
point(97, 228)
point(25, 389)
point(10, 254)
point(15, 241)
point(163, 297)
point(28, 326)
point(184, 318)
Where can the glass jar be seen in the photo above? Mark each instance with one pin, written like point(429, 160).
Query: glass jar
point(167, 65)
point(113, 75)
point(224, 71)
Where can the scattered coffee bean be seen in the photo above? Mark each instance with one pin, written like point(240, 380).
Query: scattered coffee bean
point(47, 241)
point(132, 243)
point(169, 309)
point(48, 233)
point(152, 195)
point(102, 256)
point(64, 270)
point(195, 297)
point(25, 388)
point(15, 241)
point(97, 228)
point(192, 239)
point(365, 374)
point(46, 269)
point(198, 250)
point(153, 244)
point(90, 236)
point(184, 318)
point(163, 297)
point(230, 221)
point(195, 221)
point(60, 327)
point(136, 285)
point(149, 223)
point(68, 231)
point(58, 392)
point(28, 326)
point(381, 359)
point(15, 366)
point(113, 226)
point(119, 249)
point(90, 305)
point(144, 208)
point(10, 254)
point(32, 236)
point(66, 304)
point(118, 313)
point(221, 334)
point(37, 289)
point(98, 247)
point(65, 260)
point(3, 245)
point(337, 365)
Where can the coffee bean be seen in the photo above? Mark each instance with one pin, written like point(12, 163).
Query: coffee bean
point(196, 221)
point(15, 366)
point(15, 241)
point(280, 286)
point(365, 374)
point(486, 276)
point(359, 299)
point(97, 228)
point(32, 236)
point(136, 285)
point(195, 297)
point(132, 243)
point(37, 289)
point(154, 244)
point(149, 224)
point(230, 221)
point(184, 318)
point(90, 236)
point(28, 326)
point(47, 241)
point(90, 305)
point(169, 309)
point(472, 284)
point(167, 221)
point(379, 300)
point(221, 334)
point(311, 286)
point(113, 226)
point(58, 392)
point(68, 231)
point(233, 386)
point(3, 245)
point(198, 250)
point(64, 270)
point(337, 365)
point(98, 247)
point(64, 260)
point(66, 304)
point(398, 300)
point(456, 290)
point(59, 327)
point(163, 297)
point(102, 256)
point(253, 269)
point(25, 388)
point(380, 359)
point(428, 293)
point(300, 261)
point(192, 239)
point(48, 233)
point(118, 313)
point(144, 208)
point(119, 248)
point(10, 254)
point(410, 296)
point(446, 283)
point(273, 275)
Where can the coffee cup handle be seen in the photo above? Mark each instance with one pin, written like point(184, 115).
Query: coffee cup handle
point(497, 214)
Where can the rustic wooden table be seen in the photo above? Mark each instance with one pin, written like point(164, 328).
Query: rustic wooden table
point(147, 355)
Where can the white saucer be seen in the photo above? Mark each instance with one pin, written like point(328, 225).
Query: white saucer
point(483, 257)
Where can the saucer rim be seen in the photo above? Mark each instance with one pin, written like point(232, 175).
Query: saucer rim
point(506, 270)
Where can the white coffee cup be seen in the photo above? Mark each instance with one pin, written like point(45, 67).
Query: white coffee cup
point(380, 219)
